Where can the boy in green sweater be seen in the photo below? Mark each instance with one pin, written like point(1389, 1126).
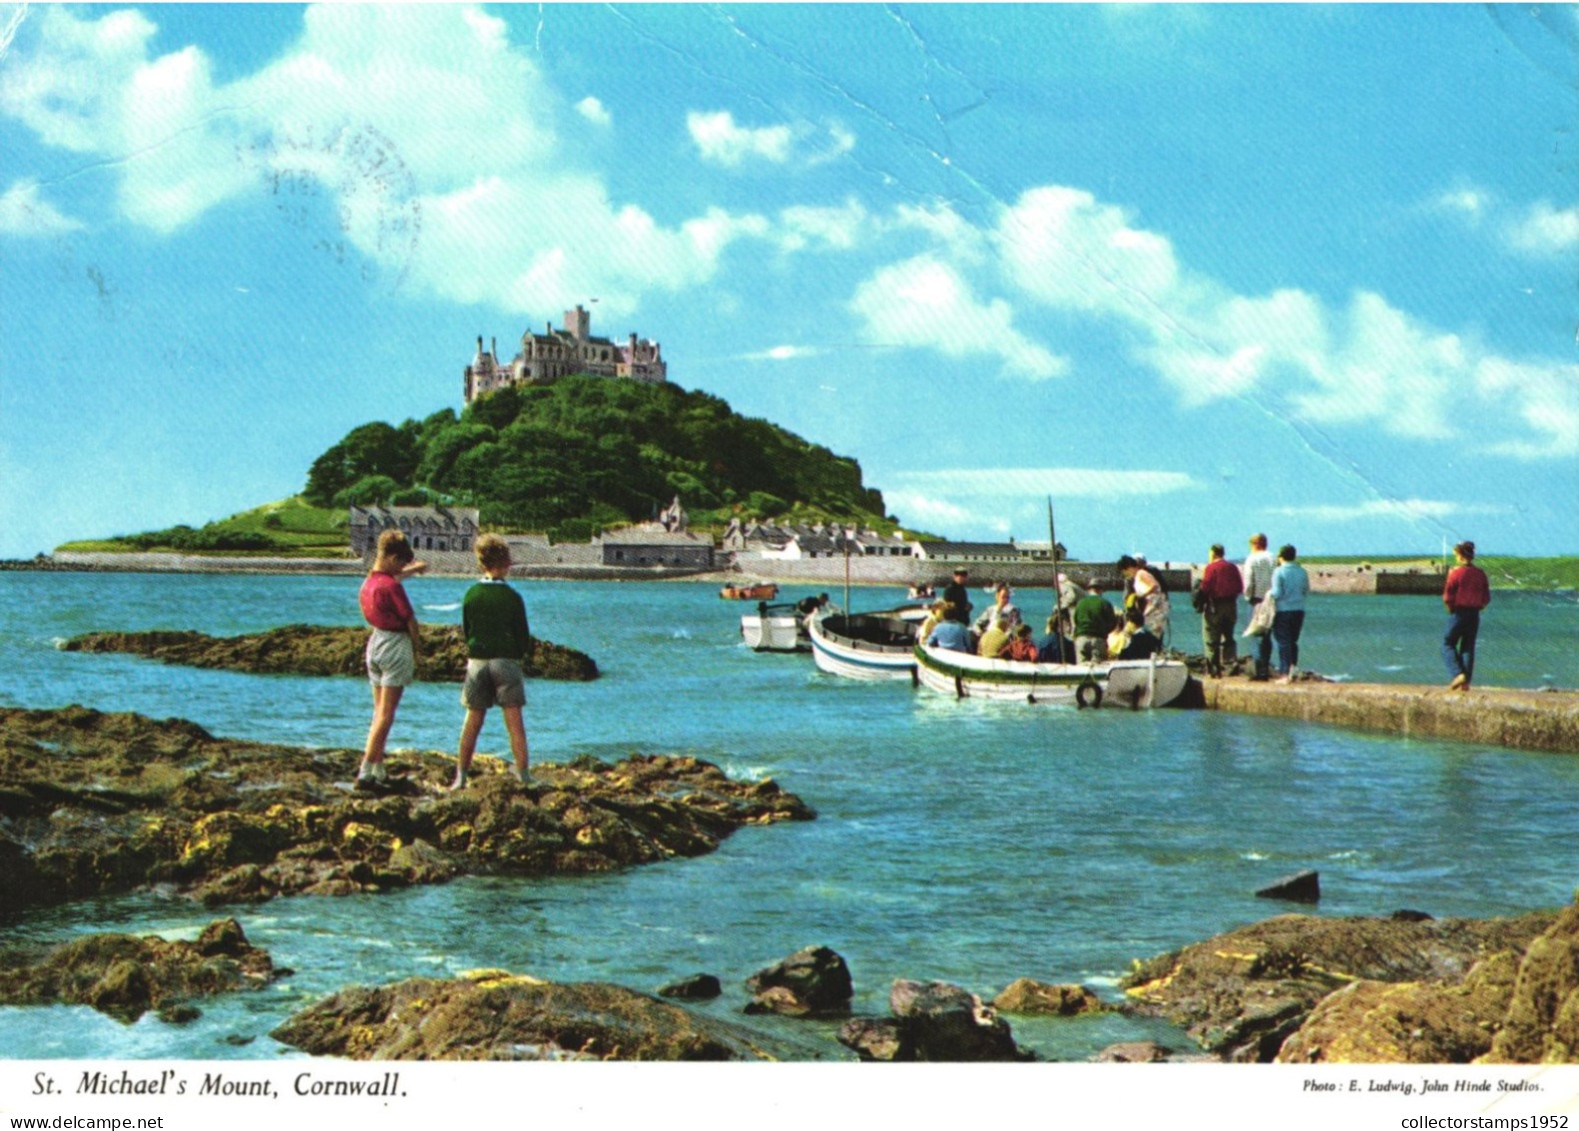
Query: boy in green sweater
point(498, 641)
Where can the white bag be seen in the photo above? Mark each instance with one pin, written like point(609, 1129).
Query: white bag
point(1261, 619)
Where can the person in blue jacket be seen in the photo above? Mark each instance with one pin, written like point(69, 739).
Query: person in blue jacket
point(1290, 587)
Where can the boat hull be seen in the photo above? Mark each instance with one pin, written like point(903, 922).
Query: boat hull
point(887, 651)
point(774, 633)
point(1112, 683)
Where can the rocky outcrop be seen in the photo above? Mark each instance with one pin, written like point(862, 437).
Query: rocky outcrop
point(812, 982)
point(1517, 1006)
point(95, 803)
point(1243, 994)
point(314, 650)
point(125, 976)
point(1025, 995)
point(932, 1021)
point(494, 1015)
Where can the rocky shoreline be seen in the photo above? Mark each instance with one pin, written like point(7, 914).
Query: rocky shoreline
point(317, 650)
point(99, 804)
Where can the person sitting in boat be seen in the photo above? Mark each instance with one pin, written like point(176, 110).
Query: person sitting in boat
point(1140, 642)
point(1002, 608)
point(1056, 647)
point(1022, 646)
point(1094, 619)
point(950, 634)
point(995, 641)
point(936, 613)
point(956, 594)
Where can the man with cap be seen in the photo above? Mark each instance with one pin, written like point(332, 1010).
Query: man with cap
point(958, 596)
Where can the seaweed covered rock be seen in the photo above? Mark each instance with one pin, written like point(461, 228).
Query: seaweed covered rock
point(495, 1015)
point(95, 803)
point(1516, 1006)
point(124, 976)
point(1242, 994)
point(316, 650)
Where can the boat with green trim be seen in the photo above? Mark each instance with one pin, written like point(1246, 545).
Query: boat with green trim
point(1113, 683)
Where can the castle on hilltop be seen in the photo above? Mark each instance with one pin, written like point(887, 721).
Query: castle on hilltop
point(555, 353)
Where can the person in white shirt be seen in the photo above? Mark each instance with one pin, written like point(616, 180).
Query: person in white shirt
point(1258, 569)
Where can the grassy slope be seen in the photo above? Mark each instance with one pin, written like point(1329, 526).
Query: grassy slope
point(298, 529)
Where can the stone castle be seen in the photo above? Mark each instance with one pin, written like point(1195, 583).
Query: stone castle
point(555, 353)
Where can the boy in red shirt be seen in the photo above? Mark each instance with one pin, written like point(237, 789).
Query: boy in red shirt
point(1467, 592)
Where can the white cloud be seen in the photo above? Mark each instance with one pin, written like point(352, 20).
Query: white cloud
point(924, 303)
point(922, 510)
point(784, 353)
point(425, 129)
point(24, 212)
point(839, 228)
point(1545, 230)
point(1470, 203)
point(723, 141)
point(1064, 482)
point(594, 111)
point(1066, 249)
point(1408, 510)
point(719, 139)
point(1545, 397)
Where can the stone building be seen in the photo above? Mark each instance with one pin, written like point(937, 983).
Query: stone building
point(675, 549)
point(565, 352)
point(443, 529)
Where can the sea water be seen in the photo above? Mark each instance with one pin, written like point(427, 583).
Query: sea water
point(967, 842)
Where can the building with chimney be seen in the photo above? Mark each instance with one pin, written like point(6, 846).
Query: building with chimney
point(553, 354)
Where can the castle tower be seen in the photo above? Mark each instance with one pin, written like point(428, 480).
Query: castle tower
point(579, 323)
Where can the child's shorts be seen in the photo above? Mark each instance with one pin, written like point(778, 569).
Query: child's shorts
point(492, 683)
point(390, 660)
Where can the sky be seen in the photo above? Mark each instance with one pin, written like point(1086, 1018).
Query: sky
point(1190, 271)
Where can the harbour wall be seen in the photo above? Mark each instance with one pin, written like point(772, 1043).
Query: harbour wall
point(1520, 720)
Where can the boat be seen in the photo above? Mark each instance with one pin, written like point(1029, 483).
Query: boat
point(761, 591)
point(1111, 683)
point(775, 628)
point(869, 646)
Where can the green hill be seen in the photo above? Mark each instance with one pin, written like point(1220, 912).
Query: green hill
point(585, 453)
point(569, 459)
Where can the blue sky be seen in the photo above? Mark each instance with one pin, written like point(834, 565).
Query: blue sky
point(1193, 271)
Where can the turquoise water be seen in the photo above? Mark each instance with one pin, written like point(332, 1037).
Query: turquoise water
point(969, 842)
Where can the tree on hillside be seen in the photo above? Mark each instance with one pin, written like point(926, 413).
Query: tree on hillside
point(376, 449)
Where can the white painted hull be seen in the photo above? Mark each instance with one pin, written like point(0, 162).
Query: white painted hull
point(773, 633)
point(1112, 683)
point(856, 659)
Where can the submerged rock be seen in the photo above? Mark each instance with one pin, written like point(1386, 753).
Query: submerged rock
point(494, 1015)
point(304, 649)
point(95, 803)
point(1243, 994)
point(698, 987)
point(124, 976)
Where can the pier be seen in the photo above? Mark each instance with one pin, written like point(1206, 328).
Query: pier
point(1519, 720)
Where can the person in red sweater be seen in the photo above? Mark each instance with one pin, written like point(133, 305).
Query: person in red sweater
point(391, 645)
point(1221, 584)
point(1467, 592)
